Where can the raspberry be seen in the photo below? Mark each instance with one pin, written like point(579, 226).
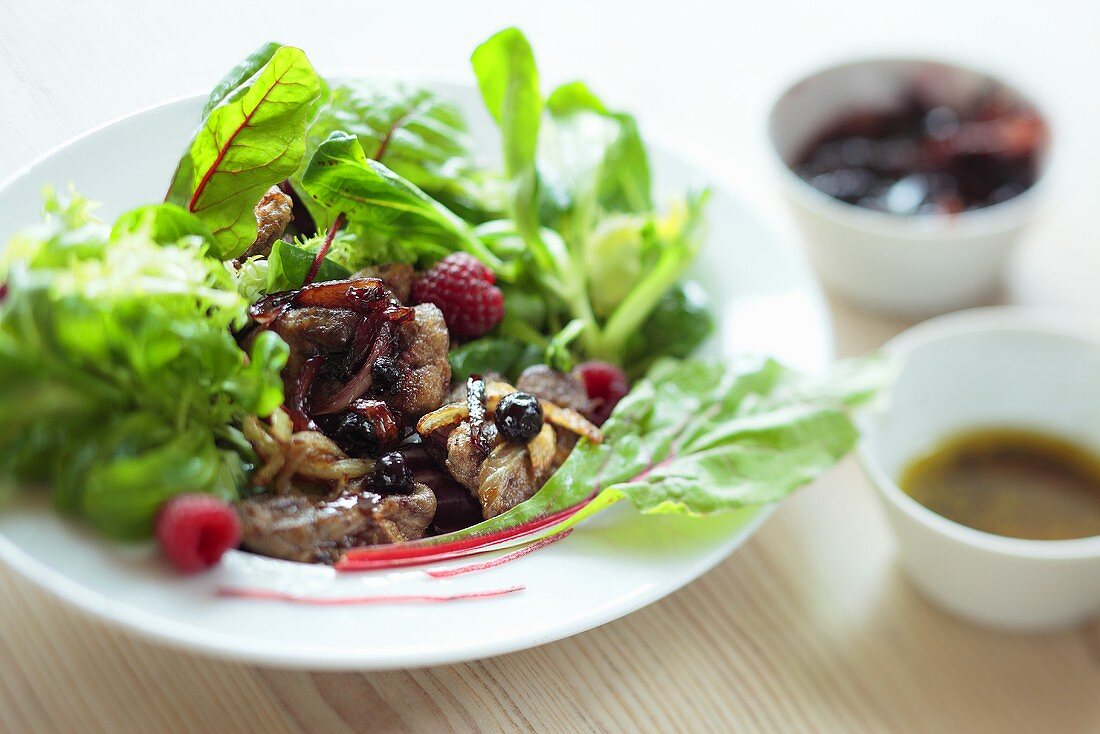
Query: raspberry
point(606, 385)
point(463, 290)
point(194, 530)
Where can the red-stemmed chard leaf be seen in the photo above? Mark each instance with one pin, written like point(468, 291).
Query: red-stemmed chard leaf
point(339, 601)
point(251, 139)
point(694, 437)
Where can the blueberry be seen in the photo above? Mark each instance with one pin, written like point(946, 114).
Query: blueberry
point(392, 473)
point(352, 432)
point(519, 416)
point(385, 375)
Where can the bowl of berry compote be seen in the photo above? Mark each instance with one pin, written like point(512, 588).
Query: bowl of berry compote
point(910, 179)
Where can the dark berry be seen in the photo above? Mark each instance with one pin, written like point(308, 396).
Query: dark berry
point(462, 287)
point(385, 375)
point(365, 428)
point(519, 416)
point(605, 384)
point(195, 530)
point(392, 473)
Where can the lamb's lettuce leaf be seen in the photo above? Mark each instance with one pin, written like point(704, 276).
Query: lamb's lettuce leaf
point(509, 82)
point(595, 152)
point(120, 380)
point(251, 138)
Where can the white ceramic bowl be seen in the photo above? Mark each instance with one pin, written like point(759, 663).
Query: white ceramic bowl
point(989, 367)
point(913, 265)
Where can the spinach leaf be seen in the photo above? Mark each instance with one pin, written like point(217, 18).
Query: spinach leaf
point(417, 135)
point(341, 178)
point(251, 139)
point(288, 265)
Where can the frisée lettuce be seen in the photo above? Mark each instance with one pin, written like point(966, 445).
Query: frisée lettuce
point(120, 381)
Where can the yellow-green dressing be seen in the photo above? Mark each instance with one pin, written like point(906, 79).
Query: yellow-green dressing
point(1012, 482)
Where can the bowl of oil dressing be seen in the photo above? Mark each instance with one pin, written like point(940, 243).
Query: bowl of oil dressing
point(986, 457)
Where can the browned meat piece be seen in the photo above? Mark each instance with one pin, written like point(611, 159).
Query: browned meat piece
point(352, 340)
point(509, 473)
point(316, 530)
point(425, 372)
point(559, 388)
point(463, 458)
point(398, 277)
point(273, 214)
point(308, 331)
point(498, 472)
point(507, 477)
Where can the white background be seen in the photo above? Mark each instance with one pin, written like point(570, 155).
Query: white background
point(698, 74)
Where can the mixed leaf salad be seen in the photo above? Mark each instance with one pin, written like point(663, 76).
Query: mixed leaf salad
point(344, 337)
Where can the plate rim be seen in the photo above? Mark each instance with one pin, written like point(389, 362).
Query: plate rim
point(200, 640)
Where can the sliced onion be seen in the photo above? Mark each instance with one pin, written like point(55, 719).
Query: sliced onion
point(571, 420)
point(455, 413)
point(361, 381)
point(542, 449)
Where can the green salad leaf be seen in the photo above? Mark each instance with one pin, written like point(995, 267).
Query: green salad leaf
point(342, 179)
point(596, 249)
point(167, 224)
point(120, 381)
point(289, 264)
point(252, 137)
point(697, 437)
point(419, 136)
point(239, 74)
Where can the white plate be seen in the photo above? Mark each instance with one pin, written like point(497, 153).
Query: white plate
point(612, 565)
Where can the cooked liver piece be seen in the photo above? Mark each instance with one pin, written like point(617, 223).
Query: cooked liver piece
point(318, 530)
point(398, 277)
point(560, 388)
point(422, 345)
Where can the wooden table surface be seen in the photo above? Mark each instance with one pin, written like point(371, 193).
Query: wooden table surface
point(809, 627)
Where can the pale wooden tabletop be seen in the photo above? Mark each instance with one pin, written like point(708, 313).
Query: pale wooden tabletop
point(809, 627)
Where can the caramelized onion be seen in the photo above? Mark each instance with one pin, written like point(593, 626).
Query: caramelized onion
point(454, 413)
point(361, 381)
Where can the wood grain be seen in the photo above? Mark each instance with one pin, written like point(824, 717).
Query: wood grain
point(808, 628)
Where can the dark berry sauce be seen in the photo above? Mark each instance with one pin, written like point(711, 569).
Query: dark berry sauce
point(926, 158)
